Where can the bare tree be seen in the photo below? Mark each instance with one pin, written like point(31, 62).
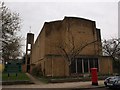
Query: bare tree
point(111, 48)
point(69, 49)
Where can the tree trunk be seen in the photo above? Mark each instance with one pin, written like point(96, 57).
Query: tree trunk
point(69, 70)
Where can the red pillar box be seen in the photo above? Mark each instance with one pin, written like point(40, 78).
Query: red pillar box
point(94, 76)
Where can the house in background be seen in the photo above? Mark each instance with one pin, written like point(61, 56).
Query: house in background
point(47, 52)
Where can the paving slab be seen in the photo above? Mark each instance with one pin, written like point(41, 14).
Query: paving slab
point(59, 85)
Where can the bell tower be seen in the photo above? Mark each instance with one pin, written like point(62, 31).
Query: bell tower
point(29, 44)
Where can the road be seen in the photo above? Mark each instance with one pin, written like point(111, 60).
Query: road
point(57, 86)
point(104, 88)
point(54, 89)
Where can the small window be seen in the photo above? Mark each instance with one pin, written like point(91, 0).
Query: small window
point(29, 46)
point(28, 52)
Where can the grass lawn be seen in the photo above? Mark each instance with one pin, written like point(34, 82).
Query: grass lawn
point(12, 77)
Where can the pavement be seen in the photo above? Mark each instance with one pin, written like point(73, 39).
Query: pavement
point(34, 80)
point(39, 84)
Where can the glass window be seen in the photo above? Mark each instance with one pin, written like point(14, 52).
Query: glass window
point(96, 63)
point(29, 46)
point(91, 63)
point(73, 67)
point(85, 61)
point(87, 64)
point(79, 65)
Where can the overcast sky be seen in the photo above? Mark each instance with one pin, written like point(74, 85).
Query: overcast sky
point(34, 14)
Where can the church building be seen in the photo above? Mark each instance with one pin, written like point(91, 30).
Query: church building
point(67, 47)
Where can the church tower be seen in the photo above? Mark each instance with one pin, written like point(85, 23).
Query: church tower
point(29, 43)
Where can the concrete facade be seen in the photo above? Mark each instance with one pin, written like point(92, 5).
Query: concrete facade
point(46, 55)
